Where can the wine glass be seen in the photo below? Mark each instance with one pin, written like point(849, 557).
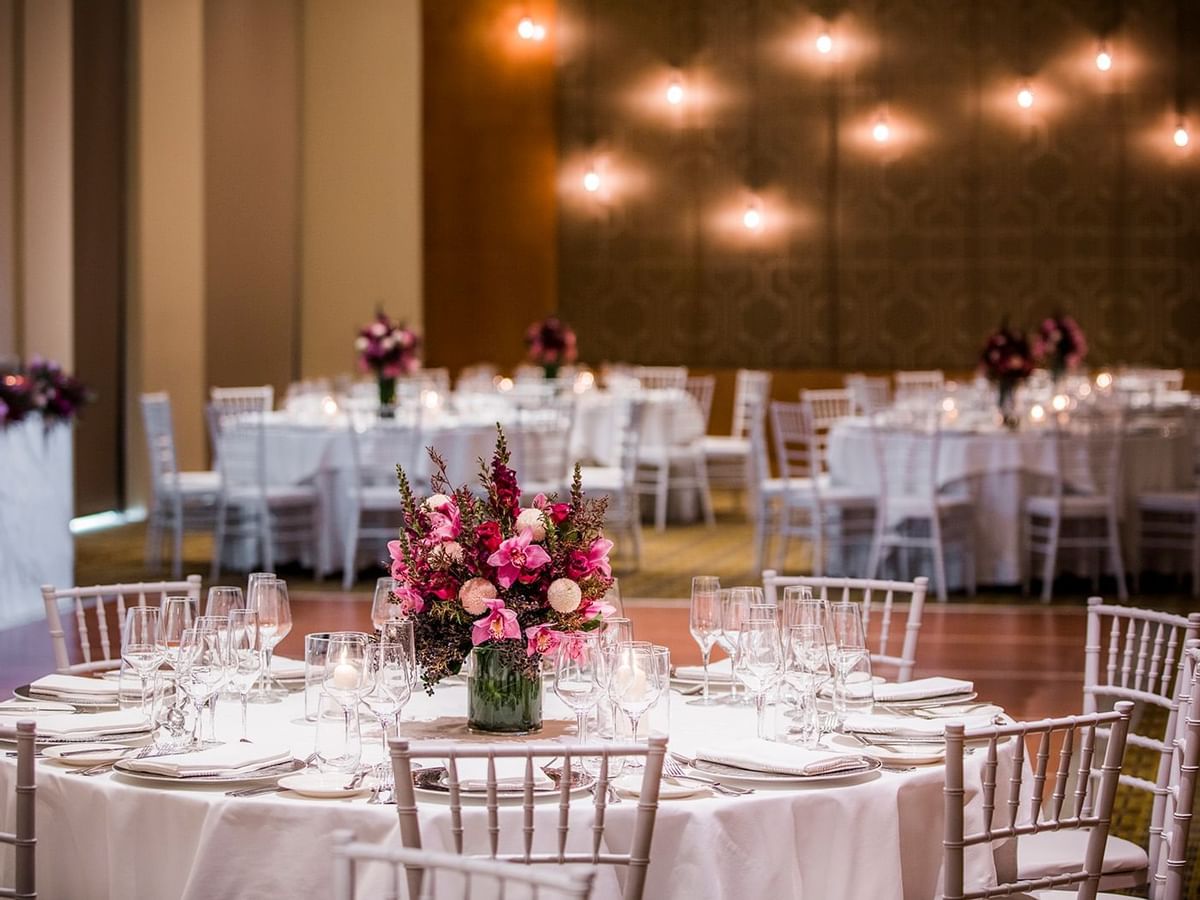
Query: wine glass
point(391, 675)
point(142, 646)
point(222, 599)
point(219, 625)
point(853, 689)
point(201, 669)
point(704, 622)
point(252, 586)
point(178, 614)
point(382, 609)
point(579, 676)
point(274, 622)
point(636, 682)
point(245, 659)
point(613, 598)
point(806, 668)
point(735, 610)
point(758, 663)
point(346, 678)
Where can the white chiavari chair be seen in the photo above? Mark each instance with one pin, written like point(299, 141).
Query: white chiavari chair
point(919, 385)
point(767, 493)
point(875, 597)
point(520, 846)
point(619, 483)
point(1171, 871)
point(654, 378)
point(1081, 798)
point(910, 512)
point(23, 837)
point(1086, 497)
point(473, 877)
point(700, 388)
point(869, 395)
point(1169, 521)
point(107, 604)
point(680, 466)
point(227, 404)
point(180, 501)
point(812, 507)
point(827, 407)
point(372, 498)
point(273, 517)
point(1135, 655)
point(727, 456)
point(540, 442)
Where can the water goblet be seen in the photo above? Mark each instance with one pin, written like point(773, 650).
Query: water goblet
point(391, 676)
point(636, 682)
point(142, 646)
point(270, 599)
point(223, 599)
point(579, 676)
point(806, 668)
point(758, 664)
point(853, 689)
point(201, 667)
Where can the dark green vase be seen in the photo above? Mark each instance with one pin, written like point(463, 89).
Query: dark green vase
point(387, 397)
point(501, 700)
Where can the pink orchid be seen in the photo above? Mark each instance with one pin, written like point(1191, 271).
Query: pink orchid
point(597, 608)
point(518, 558)
point(399, 569)
point(498, 624)
point(597, 557)
point(411, 602)
point(541, 639)
point(445, 523)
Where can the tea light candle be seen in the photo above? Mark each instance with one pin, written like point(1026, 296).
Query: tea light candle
point(345, 677)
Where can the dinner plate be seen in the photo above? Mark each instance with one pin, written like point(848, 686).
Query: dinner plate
point(668, 788)
point(734, 775)
point(122, 738)
point(892, 754)
point(324, 785)
point(267, 774)
point(78, 701)
point(85, 755)
point(431, 783)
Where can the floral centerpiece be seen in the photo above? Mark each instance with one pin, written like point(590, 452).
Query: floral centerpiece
point(388, 349)
point(1006, 361)
point(484, 579)
point(1059, 345)
point(41, 387)
point(550, 344)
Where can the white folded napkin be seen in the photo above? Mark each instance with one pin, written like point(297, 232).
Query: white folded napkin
point(121, 721)
point(719, 671)
point(758, 755)
point(908, 726)
point(76, 685)
point(510, 774)
point(19, 706)
point(228, 759)
point(922, 689)
point(285, 667)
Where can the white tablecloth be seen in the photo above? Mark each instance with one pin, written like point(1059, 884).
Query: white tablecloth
point(36, 504)
point(997, 470)
point(109, 837)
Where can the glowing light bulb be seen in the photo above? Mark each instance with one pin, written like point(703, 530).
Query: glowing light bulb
point(1037, 412)
point(752, 218)
point(824, 43)
point(1104, 381)
point(1025, 96)
point(881, 131)
point(1104, 58)
point(1060, 402)
point(529, 30)
point(591, 180)
point(1182, 138)
point(675, 91)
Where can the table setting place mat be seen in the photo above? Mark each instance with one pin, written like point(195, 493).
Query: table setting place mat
point(719, 672)
point(510, 774)
point(923, 689)
point(85, 725)
point(73, 686)
point(231, 759)
point(757, 755)
point(285, 667)
point(909, 726)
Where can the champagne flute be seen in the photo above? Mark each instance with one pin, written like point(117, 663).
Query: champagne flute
point(142, 646)
point(704, 622)
point(758, 663)
point(636, 682)
point(222, 599)
point(245, 658)
point(579, 676)
point(346, 678)
point(391, 676)
point(274, 623)
point(806, 668)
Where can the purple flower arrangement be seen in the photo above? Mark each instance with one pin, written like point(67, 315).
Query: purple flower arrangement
point(1060, 345)
point(550, 343)
point(1006, 359)
point(387, 348)
point(40, 387)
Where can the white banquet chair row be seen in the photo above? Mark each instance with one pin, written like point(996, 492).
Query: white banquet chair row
point(920, 385)
point(23, 837)
point(869, 395)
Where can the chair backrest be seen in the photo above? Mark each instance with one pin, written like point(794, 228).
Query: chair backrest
point(541, 439)
point(1170, 870)
point(376, 449)
point(1091, 792)
point(873, 595)
point(1136, 654)
point(633, 419)
point(98, 599)
point(827, 407)
point(869, 395)
point(23, 837)
point(242, 461)
point(751, 391)
point(1087, 457)
point(237, 400)
point(160, 443)
point(907, 462)
point(701, 388)
point(655, 377)
point(760, 454)
point(919, 383)
point(798, 451)
point(575, 884)
point(635, 860)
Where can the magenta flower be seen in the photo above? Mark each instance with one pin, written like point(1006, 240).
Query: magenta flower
point(518, 559)
point(411, 602)
point(596, 558)
point(399, 569)
point(541, 639)
point(445, 523)
point(498, 624)
point(593, 608)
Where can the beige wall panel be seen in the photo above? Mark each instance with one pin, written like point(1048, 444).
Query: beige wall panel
point(166, 314)
point(361, 237)
point(46, 210)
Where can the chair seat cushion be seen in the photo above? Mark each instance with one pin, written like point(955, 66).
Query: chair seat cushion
point(192, 483)
point(1059, 852)
point(722, 445)
point(381, 496)
point(1169, 501)
point(602, 478)
point(804, 490)
point(1072, 506)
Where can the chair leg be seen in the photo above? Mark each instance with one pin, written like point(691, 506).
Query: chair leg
point(177, 545)
point(661, 486)
point(702, 486)
point(760, 531)
point(218, 542)
point(876, 548)
point(266, 538)
point(939, 559)
point(153, 552)
point(350, 556)
point(1118, 561)
point(1050, 559)
point(635, 529)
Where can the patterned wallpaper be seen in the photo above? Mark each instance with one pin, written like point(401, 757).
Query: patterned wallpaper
point(877, 256)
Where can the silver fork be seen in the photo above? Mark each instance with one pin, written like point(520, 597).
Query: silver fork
point(672, 769)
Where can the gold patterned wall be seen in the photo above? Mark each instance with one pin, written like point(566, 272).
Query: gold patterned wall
point(877, 255)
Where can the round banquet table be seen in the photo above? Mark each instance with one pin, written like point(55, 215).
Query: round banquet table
point(998, 469)
point(877, 836)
